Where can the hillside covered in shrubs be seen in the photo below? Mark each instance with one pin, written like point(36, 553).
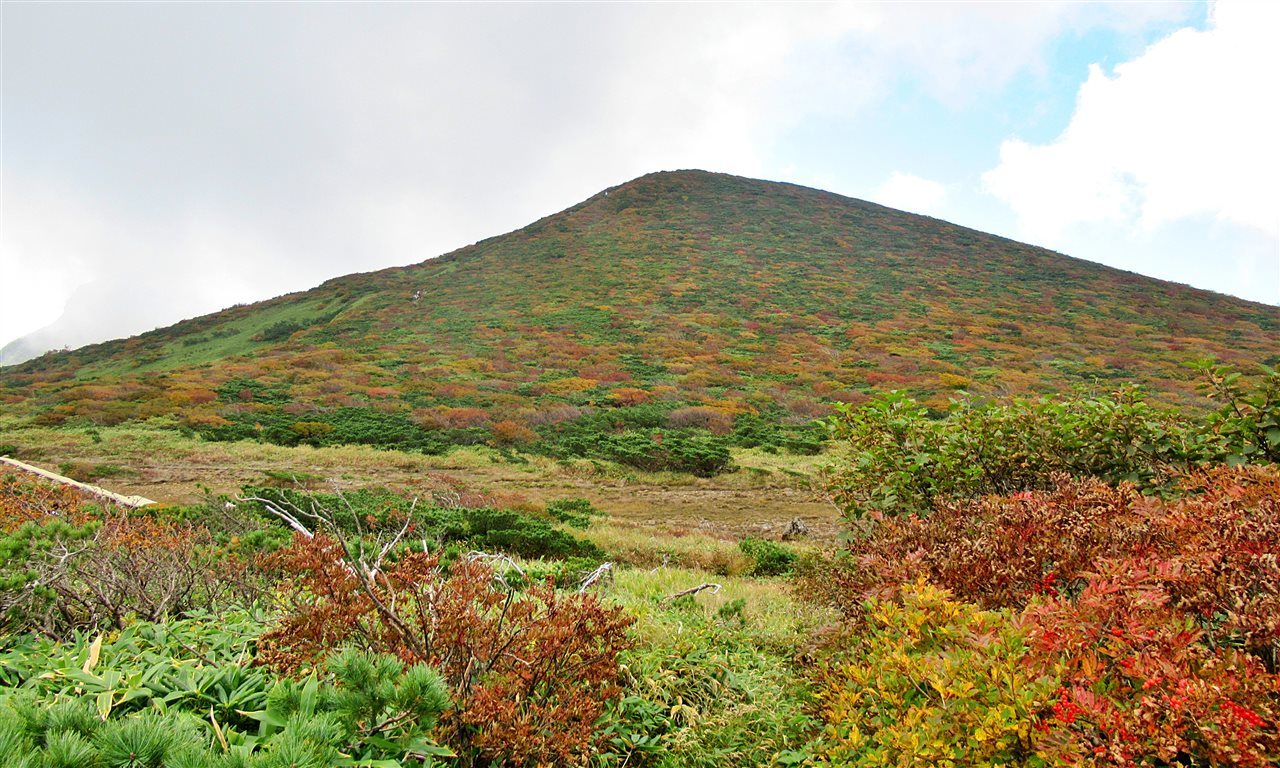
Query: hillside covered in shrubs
point(659, 324)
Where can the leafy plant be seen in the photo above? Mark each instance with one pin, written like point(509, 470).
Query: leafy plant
point(530, 672)
point(769, 558)
point(1141, 684)
point(929, 680)
point(56, 576)
point(1248, 418)
point(904, 460)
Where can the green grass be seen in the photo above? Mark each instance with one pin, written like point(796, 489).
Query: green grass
point(211, 344)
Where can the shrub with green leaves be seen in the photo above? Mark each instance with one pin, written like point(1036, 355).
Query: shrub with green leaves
point(704, 455)
point(1248, 419)
point(574, 512)
point(769, 557)
point(370, 511)
point(375, 708)
point(904, 458)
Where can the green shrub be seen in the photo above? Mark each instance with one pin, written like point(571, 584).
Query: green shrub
point(574, 512)
point(1249, 418)
point(768, 557)
point(368, 511)
point(523, 536)
point(766, 431)
point(903, 458)
point(279, 331)
point(704, 455)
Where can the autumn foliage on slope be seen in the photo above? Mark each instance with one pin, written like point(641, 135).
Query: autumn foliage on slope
point(1160, 619)
point(680, 300)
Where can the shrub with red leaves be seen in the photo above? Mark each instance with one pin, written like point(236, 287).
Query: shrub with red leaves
point(1220, 549)
point(1161, 617)
point(1140, 680)
point(67, 563)
point(530, 672)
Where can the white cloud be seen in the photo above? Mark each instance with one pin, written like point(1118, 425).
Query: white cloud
point(911, 193)
point(960, 50)
point(1188, 131)
point(212, 154)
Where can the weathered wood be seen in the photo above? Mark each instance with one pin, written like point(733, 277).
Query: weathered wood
point(693, 591)
point(128, 501)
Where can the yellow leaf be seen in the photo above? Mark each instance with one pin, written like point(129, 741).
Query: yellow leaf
point(95, 649)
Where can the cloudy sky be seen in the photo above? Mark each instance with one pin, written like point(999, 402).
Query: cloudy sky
point(161, 160)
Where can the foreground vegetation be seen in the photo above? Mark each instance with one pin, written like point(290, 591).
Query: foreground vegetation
point(1090, 581)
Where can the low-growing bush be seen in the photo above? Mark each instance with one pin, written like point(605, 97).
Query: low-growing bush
point(56, 576)
point(379, 512)
point(1159, 616)
point(904, 458)
point(697, 454)
point(530, 672)
point(769, 558)
point(929, 680)
point(574, 512)
point(1219, 549)
point(523, 536)
point(1140, 683)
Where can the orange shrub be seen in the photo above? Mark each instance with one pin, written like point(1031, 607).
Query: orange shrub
point(530, 672)
point(509, 432)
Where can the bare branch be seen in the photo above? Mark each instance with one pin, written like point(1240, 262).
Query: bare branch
point(494, 560)
point(289, 519)
point(605, 571)
point(693, 591)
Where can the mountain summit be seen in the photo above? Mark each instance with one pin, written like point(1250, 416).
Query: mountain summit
point(712, 295)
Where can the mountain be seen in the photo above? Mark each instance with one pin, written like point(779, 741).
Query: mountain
point(679, 299)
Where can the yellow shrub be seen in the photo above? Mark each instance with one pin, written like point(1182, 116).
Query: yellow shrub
point(933, 682)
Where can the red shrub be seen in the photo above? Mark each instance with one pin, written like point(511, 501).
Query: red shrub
point(1162, 618)
point(1139, 681)
point(1223, 543)
point(530, 671)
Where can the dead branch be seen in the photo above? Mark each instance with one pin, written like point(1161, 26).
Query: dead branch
point(288, 518)
point(128, 501)
point(605, 570)
point(494, 560)
point(692, 591)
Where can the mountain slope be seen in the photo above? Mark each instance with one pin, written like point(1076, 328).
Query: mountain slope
point(698, 296)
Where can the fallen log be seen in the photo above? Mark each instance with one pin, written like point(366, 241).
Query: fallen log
point(128, 501)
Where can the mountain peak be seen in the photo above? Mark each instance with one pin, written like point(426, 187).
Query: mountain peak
point(683, 289)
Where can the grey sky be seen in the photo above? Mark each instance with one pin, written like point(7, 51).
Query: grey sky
point(166, 160)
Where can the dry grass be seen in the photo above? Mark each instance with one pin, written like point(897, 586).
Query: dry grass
point(760, 499)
